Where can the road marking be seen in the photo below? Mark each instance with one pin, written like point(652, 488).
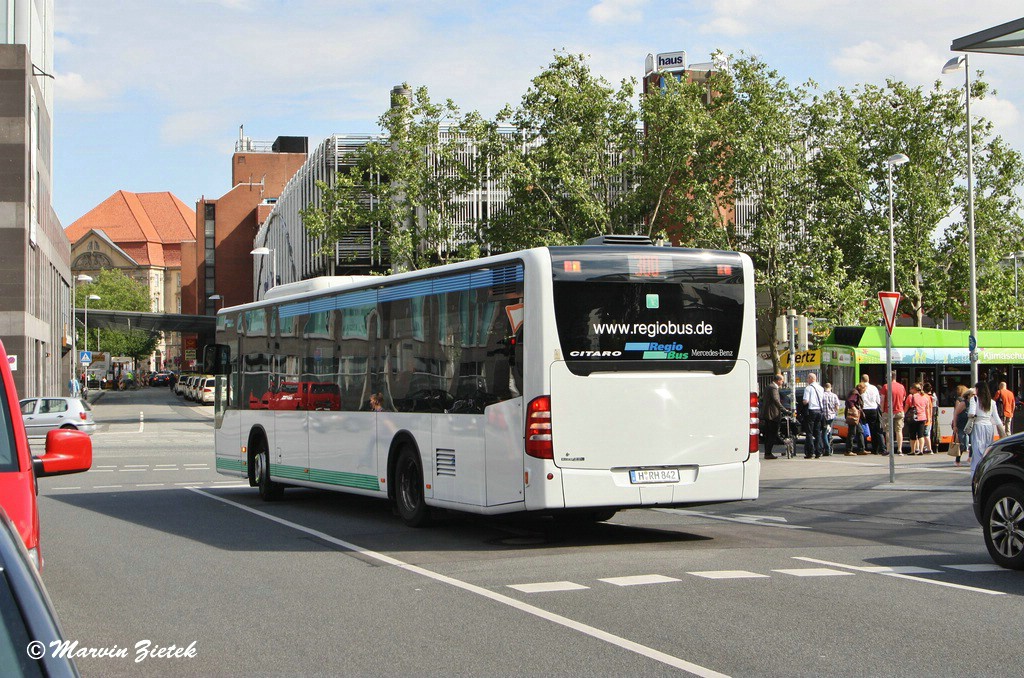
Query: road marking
point(102, 470)
point(547, 587)
point(136, 466)
point(639, 579)
point(901, 569)
point(729, 574)
point(869, 570)
point(96, 467)
point(166, 469)
point(757, 520)
point(67, 488)
point(150, 485)
point(815, 572)
point(197, 465)
point(131, 470)
point(105, 487)
point(585, 629)
point(191, 483)
point(979, 567)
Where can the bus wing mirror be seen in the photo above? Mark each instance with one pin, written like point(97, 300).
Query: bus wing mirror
point(217, 359)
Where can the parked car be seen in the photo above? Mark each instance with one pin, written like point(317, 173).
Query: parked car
point(205, 390)
point(179, 385)
point(998, 487)
point(67, 451)
point(42, 415)
point(28, 613)
point(46, 414)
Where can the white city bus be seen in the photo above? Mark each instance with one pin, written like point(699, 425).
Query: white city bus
point(577, 380)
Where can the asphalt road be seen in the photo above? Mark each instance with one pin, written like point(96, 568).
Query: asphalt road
point(833, 572)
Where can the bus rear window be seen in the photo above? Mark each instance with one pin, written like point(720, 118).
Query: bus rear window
point(657, 308)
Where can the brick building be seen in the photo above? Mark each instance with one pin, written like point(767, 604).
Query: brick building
point(221, 263)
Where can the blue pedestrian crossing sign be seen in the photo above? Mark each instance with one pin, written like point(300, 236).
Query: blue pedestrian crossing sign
point(85, 357)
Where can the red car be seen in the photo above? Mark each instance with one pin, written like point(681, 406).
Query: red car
point(67, 451)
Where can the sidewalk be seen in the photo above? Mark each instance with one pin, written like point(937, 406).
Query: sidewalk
point(927, 473)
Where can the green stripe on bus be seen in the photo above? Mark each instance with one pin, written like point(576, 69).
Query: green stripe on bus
point(314, 475)
point(923, 337)
point(230, 464)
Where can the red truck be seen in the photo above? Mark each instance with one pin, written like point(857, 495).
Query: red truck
point(67, 451)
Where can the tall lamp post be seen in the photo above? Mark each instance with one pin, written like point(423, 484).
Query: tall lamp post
point(80, 278)
point(268, 252)
point(956, 64)
point(891, 161)
point(215, 298)
point(93, 297)
point(1015, 256)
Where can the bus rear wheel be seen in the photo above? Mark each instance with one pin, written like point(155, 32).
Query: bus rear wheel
point(269, 490)
point(412, 507)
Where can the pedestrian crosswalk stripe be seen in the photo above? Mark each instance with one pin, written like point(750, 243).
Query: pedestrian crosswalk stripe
point(547, 587)
point(814, 572)
point(899, 569)
point(729, 574)
point(639, 579)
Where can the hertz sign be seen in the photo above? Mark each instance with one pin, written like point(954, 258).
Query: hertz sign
point(804, 359)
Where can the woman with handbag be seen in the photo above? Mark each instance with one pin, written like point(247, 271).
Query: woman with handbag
point(961, 441)
point(983, 422)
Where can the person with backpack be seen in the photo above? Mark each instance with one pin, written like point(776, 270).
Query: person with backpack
point(854, 434)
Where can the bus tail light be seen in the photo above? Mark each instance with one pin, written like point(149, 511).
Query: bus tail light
point(754, 425)
point(538, 428)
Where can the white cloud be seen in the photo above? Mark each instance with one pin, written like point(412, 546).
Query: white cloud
point(724, 25)
point(617, 11)
point(913, 61)
point(73, 88)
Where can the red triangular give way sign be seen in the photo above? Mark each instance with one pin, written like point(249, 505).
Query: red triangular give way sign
point(890, 301)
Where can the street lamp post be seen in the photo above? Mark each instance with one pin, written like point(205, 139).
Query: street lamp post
point(955, 64)
point(1016, 256)
point(891, 161)
point(268, 252)
point(80, 278)
point(93, 297)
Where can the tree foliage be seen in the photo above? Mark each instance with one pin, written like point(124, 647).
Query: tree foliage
point(116, 292)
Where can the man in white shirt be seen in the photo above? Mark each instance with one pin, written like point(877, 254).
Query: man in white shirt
point(814, 402)
point(872, 400)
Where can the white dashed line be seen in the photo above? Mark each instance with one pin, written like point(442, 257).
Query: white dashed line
point(979, 567)
point(815, 572)
point(639, 579)
point(899, 569)
point(888, 572)
point(106, 487)
point(729, 574)
point(547, 587)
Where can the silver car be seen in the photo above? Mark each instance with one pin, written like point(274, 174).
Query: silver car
point(45, 414)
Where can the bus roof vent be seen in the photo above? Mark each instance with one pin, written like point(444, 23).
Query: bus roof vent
point(620, 240)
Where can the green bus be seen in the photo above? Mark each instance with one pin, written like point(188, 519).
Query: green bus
point(920, 354)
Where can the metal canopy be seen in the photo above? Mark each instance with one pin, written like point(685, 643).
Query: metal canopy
point(1006, 38)
point(149, 322)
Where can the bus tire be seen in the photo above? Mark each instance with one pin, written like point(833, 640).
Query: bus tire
point(409, 499)
point(269, 490)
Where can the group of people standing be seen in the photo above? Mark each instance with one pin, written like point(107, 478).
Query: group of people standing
point(978, 416)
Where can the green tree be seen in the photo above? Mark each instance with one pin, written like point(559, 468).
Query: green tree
point(117, 292)
point(684, 177)
point(855, 132)
point(408, 185)
point(569, 161)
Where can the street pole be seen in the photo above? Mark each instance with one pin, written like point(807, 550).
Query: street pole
point(970, 228)
point(791, 319)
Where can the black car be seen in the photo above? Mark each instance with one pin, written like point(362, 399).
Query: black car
point(998, 487)
point(160, 379)
point(28, 624)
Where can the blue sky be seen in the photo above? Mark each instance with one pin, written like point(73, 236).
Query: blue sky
point(150, 96)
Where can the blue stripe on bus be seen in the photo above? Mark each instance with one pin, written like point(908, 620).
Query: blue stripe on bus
point(421, 288)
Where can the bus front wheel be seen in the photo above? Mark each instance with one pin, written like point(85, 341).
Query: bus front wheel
point(412, 507)
point(269, 490)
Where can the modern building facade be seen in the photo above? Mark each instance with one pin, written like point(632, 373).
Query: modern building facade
point(36, 315)
point(140, 234)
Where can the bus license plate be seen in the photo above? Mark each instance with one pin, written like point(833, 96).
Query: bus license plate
point(660, 475)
